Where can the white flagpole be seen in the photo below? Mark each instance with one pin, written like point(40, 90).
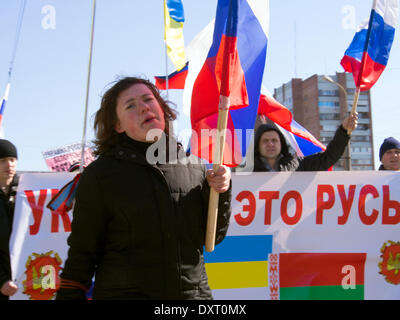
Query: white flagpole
point(10, 69)
point(87, 89)
point(18, 32)
point(166, 70)
point(166, 50)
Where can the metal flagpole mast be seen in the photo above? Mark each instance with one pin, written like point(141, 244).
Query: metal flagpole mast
point(166, 70)
point(10, 69)
point(166, 49)
point(295, 49)
point(87, 89)
point(18, 32)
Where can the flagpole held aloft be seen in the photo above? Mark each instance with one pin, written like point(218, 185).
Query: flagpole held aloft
point(233, 67)
point(367, 56)
point(354, 108)
point(87, 89)
point(223, 111)
point(16, 41)
point(230, 67)
point(166, 50)
point(4, 99)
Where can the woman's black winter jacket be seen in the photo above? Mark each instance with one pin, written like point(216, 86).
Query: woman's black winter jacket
point(140, 228)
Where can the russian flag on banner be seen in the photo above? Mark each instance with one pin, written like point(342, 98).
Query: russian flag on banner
point(176, 80)
point(302, 141)
point(368, 53)
point(248, 30)
point(3, 103)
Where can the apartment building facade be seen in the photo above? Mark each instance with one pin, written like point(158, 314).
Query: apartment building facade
point(320, 104)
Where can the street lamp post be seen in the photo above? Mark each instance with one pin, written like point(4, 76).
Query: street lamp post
point(348, 153)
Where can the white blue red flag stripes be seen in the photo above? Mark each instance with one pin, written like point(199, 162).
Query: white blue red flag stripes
point(3, 104)
point(302, 141)
point(247, 61)
point(368, 53)
point(176, 80)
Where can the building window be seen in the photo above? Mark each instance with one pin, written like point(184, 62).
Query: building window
point(363, 126)
point(329, 128)
point(329, 93)
point(329, 116)
point(363, 115)
point(360, 138)
point(328, 104)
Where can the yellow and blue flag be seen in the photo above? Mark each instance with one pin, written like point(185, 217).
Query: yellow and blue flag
point(173, 36)
point(239, 265)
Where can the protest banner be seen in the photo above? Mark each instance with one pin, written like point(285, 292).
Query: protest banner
point(302, 235)
point(60, 159)
point(38, 242)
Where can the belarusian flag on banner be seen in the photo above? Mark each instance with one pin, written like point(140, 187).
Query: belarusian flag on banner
point(317, 276)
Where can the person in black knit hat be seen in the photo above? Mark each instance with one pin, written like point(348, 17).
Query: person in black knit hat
point(8, 186)
point(389, 154)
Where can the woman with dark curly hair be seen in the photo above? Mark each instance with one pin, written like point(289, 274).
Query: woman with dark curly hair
point(139, 222)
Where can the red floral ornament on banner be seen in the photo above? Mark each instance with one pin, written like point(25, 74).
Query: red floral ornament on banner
point(42, 280)
point(390, 264)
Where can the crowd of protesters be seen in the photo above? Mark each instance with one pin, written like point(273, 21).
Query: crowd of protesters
point(138, 226)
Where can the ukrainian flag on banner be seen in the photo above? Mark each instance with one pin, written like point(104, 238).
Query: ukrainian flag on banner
point(239, 262)
point(174, 18)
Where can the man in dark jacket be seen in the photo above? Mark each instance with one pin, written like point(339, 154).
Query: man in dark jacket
point(271, 152)
point(8, 186)
point(389, 154)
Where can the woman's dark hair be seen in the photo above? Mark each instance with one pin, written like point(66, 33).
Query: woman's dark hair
point(106, 116)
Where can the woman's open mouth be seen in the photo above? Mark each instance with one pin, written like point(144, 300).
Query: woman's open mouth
point(149, 119)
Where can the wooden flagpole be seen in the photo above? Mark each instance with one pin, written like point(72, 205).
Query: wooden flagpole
point(354, 108)
point(223, 111)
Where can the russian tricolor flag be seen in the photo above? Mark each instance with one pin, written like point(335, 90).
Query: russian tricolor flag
point(2, 107)
point(302, 141)
point(240, 37)
point(368, 53)
point(176, 80)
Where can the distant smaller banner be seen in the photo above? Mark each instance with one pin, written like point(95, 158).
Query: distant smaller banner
point(60, 159)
